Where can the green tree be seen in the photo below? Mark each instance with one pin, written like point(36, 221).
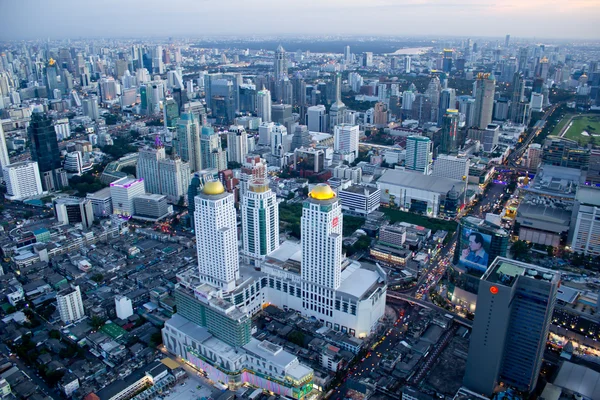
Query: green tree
point(155, 339)
point(54, 334)
point(97, 322)
point(550, 250)
point(97, 278)
point(519, 249)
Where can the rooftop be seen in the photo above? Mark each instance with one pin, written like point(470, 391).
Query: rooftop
point(417, 180)
point(504, 271)
point(551, 180)
point(126, 182)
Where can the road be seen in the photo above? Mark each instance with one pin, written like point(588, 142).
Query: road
point(34, 378)
point(391, 296)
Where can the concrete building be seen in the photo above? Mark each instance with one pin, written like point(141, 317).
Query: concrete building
point(419, 152)
point(123, 191)
point(216, 236)
point(534, 156)
point(237, 144)
point(151, 207)
point(213, 156)
point(586, 233)
point(4, 159)
point(22, 180)
point(316, 118)
point(70, 305)
point(74, 210)
point(254, 167)
point(514, 312)
point(451, 167)
point(187, 141)
point(360, 200)
point(260, 220)
point(263, 105)
point(264, 133)
point(147, 167)
point(123, 307)
point(485, 88)
point(101, 202)
point(346, 138)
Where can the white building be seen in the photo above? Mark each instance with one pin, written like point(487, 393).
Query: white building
point(534, 156)
point(62, 129)
point(22, 180)
point(216, 236)
point(123, 307)
point(74, 210)
point(237, 144)
point(316, 118)
point(70, 305)
point(101, 202)
point(147, 167)
point(537, 102)
point(419, 152)
point(174, 178)
point(264, 133)
point(263, 105)
point(123, 191)
point(260, 220)
point(279, 142)
point(254, 167)
point(90, 107)
point(4, 159)
point(346, 138)
point(360, 200)
point(452, 167)
point(74, 163)
point(586, 235)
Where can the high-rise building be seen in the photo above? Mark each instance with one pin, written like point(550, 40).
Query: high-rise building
point(586, 234)
point(74, 210)
point(515, 303)
point(147, 167)
point(123, 307)
point(260, 220)
point(108, 89)
point(449, 132)
point(174, 175)
point(563, 152)
point(4, 159)
point(316, 117)
point(380, 114)
point(451, 167)
point(101, 202)
point(301, 137)
point(447, 101)
point(279, 142)
point(187, 142)
point(407, 65)
point(518, 93)
point(592, 177)
point(506, 40)
point(419, 152)
point(321, 225)
point(484, 99)
point(253, 168)
point(264, 133)
point(534, 156)
point(280, 62)
point(90, 107)
point(347, 55)
point(70, 304)
point(346, 138)
point(213, 156)
point(123, 191)
point(263, 105)
point(44, 150)
point(22, 180)
point(237, 144)
point(216, 236)
point(337, 112)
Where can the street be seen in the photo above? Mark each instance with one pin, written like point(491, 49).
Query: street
point(35, 378)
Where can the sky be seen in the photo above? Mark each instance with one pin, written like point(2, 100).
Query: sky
point(59, 19)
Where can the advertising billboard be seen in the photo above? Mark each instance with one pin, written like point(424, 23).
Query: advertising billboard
point(474, 250)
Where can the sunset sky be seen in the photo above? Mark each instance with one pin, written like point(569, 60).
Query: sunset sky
point(117, 18)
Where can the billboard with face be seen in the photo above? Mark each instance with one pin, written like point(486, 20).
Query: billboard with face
point(474, 250)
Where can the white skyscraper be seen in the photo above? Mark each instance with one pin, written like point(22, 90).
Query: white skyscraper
point(216, 236)
point(237, 144)
point(278, 140)
point(346, 138)
point(419, 151)
point(321, 251)
point(264, 133)
point(90, 107)
point(260, 220)
point(317, 118)
point(263, 105)
point(123, 191)
point(70, 304)
point(147, 168)
point(22, 180)
point(187, 142)
point(4, 160)
point(407, 64)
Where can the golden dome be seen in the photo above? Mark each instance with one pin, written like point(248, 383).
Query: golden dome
point(212, 188)
point(51, 61)
point(322, 191)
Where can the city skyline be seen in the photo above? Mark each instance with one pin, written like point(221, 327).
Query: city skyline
point(66, 19)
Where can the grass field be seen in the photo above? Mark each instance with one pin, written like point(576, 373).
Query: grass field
point(589, 124)
point(432, 223)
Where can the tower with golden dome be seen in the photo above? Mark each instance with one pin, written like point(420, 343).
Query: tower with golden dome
point(216, 237)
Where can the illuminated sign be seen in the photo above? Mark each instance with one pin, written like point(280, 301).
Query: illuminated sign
point(493, 289)
point(335, 222)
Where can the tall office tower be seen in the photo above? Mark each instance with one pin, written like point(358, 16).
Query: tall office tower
point(301, 138)
point(407, 100)
point(223, 97)
point(286, 95)
point(534, 156)
point(321, 226)
point(544, 66)
point(447, 60)
point(281, 113)
point(74, 210)
point(70, 304)
point(157, 60)
point(407, 65)
point(279, 140)
point(212, 155)
point(449, 132)
point(514, 311)
point(367, 59)
point(586, 235)
point(174, 80)
point(170, 114)
point(147, 167)
point(108, 89)
point(347, 55)
point(523, 58)
point(419, 152)
point(337, 112)
point(187, 143)
point(237, 144)
point(345, 138)
point(22, 180)
point(451, 167)
point(447, 101)
point(264, 133)
point(280, 62)
point(216, 236)
point(434, 88)
point(52, 74)
point(123, 191)
point(506, 40)
point(253, 168)
point(380, 114)
point(260, 220)
point(518, 93)
point(174, 177)
point(44, 150)
point(484, 99)
point(299, 88)
point(142, 75)
point(4, 159)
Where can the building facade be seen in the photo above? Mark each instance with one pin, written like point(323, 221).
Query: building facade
point(70, 304)
point(22, 180)
point(260, 220)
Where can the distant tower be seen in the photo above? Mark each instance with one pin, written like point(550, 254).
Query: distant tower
point(216, 236)
point(44, 150)
point(484, 99)
point(281, 68)
point(507, 41)
point(260, 220)
point(347, 55)
point(419, 150)
point(448, 142)
point(263, 105)
point(338, 109)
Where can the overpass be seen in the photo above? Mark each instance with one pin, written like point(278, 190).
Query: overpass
point(426, 304)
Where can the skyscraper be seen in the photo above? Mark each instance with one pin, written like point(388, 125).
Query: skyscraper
point(419, 151)
point(280, 62)
point(216, 236)
point(337, 112)
point(70, 304)
point(253, 168)
point(4, 159)
point(484, 99)
point(123, 191)
point(263, 105)
point(22, 180)
point(212, 155)
point(447, 101)
point(518, 92)
point(260, 220)
point(147, 167)
point(237, 144)
point(321, 223)
point(44, 150)
point(515, 303)
point(187, 141)
point(449, 132)
point(346, 138)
